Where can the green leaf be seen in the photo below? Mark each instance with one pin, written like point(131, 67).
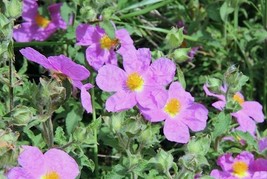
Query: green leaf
point(180, 76)
point(60, 137)
point(221, 124)
point(72, 119)
point(225, 10)
point(85, 161)
point(109, 28)
point(65, 11)
point(37, 140)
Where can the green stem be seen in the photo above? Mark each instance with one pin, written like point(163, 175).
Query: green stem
point(95, 130)
point(11, 91)
point(26, 44)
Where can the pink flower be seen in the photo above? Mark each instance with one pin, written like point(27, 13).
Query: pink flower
point(242, 166)
point(178, 109)
point(262, 144)
point(138, 77)
point(102, 48)
point(63, 67)
point(34, 164)
point(37, 27)
point(250, 113)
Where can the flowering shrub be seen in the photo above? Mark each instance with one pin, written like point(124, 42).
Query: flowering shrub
point(125, 89)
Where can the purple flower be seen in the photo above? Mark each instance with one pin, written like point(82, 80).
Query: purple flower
point(34, 164)
point(178, 109)
point(102, 48)
point(138, 77)
point(192, 52)
point(262, 144)
point(37, 27)
point(249, 114)
point(242, 166)
point(62, 67)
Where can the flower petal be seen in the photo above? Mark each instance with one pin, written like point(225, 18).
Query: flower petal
point(245, 122)
point(254, 110)
point(36, 57)
point(208, 93)
point(195, 117)
point(226, 162)
point(163, 71)
point(110, 78)
point(153, 115)
point(44, 33)
point(32, 161)
point(136, 60)
point(25, 32)
point(96, 56)
point(62, 163)
point(219, 105)
point(88, 34)
point(30, 10)
point(121, 101)
point(177, 91)
point(176, 131)
point(56, 18)
point(86, 97)
point(66, 66)
point(18, 173)
point(125, 40)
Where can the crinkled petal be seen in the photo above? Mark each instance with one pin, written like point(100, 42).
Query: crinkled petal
point(219, 105)
point(254, 110)
point(121, 101)
point(259, 175)
point(62, 163)
point(208, 93)
point(110, 78)
point(259, 164)
point(246, 157)
point(32, 161)
point(86, 97)
point(25, 32)
point(163, 71)
point(176, 131)
point(195, 117)
point(56, 18)
point(177, 91)
point(87, 35)
point(36, 57)
point(226, 162)
point(125, 40)
point(19, 173)
point(245, 122)
point(154, 98)
point(30, 10)
point(217, 174)
point(66, 66)
point(153, 115)
point(44, 33)
point(96, 56)
point(262, 144)
point(76, 83)
point(136, 60)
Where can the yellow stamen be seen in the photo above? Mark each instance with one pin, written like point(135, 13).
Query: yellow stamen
point(173, 107)
point(107, 43)
point(51, 175)
point(238, 98)
point(135, 82)
point(240, 169)
point(41, 21)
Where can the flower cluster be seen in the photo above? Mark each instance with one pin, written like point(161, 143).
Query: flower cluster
point(242, 166)
point(34, 164)
point(249, 114)
point(37, 27)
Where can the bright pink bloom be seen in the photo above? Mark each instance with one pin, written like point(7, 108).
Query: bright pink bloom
point(242, 166)
point(250, 113)
point(138, 78)
point(262, 144)
point(178, 109)
point(102, 48)
point(37, 27)
point(34, 164)
point(61, 67)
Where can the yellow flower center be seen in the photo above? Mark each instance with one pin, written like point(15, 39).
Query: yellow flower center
point(51, 175)
point(135, 82)
point(173, 107)
point(238, 98)
point(240, 169)
point(107, 43)
point(41, 21)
